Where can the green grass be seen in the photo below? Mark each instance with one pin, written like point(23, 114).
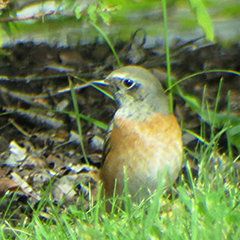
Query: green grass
point(205, 208)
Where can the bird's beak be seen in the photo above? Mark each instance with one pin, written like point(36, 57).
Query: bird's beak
point(101, 82)
point(107, 80)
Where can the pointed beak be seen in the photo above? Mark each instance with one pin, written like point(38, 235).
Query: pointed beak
point(101, 82)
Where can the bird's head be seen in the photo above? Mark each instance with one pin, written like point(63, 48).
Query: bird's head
point(134, 85)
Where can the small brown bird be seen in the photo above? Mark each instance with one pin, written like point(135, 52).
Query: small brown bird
point(144, 137)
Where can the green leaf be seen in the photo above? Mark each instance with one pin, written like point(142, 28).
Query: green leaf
point(105, 17)
point(92, 13)
point(78, 12)
point(1, 44)
point(234, 136)
point(207, 115)
point(203, 18)
point(234, 131)
point(68, 5)
point(6, 28)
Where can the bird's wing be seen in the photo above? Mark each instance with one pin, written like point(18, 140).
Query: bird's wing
point(107, 146)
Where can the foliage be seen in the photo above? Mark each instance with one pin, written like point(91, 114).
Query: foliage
point(31, 17)
point(203, 18)
point(215, 119)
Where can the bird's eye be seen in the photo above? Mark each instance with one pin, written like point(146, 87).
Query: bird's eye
point(128, 83)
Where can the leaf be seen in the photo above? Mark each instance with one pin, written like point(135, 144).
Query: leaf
point(219, 119)
point(234, 135)
point(6, 28)
point(105, 17)
point(92, 13)
point(207, 115)
point(23, 185)
point(203, 18)
point(68, 5)
point(192, 101)
point(1, 44)
point(7, 184)
point(78, 12)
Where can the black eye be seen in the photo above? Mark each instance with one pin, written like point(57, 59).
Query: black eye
point(128, 83)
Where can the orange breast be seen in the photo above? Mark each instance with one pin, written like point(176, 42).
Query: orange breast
point(146, 150)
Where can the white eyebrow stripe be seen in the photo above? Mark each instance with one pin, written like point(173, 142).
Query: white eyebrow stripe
point(118, 77)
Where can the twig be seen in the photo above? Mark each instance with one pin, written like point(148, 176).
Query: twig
point(36, 16)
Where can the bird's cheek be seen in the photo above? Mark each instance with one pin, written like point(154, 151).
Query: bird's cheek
point(120, 98)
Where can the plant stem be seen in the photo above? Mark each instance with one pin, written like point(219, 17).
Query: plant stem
point(167, 52)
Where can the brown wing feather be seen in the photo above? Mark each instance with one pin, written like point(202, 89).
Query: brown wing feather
point(107, 147)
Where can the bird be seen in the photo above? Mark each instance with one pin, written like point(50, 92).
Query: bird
point(143, 143)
